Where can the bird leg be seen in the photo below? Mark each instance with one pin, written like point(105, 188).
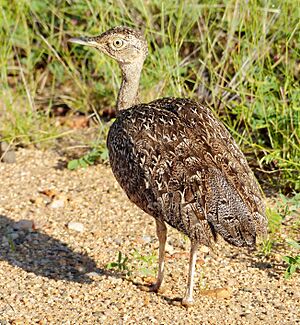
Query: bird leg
point(188, 298)
point(161, 231)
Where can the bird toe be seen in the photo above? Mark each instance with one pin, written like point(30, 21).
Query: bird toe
point(187, 302)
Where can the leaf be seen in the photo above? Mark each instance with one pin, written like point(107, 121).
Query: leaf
point(73, 164)
point(293, 268)
point(287, 259)
point(104, 154)
point(111, 265)
point(81, 163)
point(11, 244)
point(293, 243)
point(89, 159)
point(294, 264)
point(275, 220)
point(119, 257)
point(287, 274)
point(146, 272)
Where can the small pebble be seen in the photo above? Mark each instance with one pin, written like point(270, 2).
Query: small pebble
point(24, 224)
point(5, 241)
point(204, 249)
point(7, 154)
point(93, 274)
point(118, 241)
point(76, 226)
point(146, 239)
point(56, 204)
point(169, 249)
point(13, 235)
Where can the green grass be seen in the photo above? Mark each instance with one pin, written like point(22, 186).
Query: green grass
point(143, 265)
point(293, 262)
point(241, 56)
point(284, 226)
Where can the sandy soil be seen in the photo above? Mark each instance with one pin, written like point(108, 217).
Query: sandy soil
point(53, 274)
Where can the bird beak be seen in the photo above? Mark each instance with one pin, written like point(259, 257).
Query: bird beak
point(88, 41)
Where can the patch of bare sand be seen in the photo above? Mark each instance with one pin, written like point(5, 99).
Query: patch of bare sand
point(53, 274)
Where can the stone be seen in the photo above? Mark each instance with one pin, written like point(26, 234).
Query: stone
point(146, 239)
point(14, 235)
point(76, 226)
point(204, 249)
point(93, 275)
point(7, 154)
point(56, 204)
point(23, 224)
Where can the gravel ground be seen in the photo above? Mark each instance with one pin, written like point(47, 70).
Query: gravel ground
point(53, 263)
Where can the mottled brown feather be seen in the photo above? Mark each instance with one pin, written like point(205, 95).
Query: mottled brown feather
point(178, 163)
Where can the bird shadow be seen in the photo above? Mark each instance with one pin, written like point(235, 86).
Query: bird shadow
point(39, 253)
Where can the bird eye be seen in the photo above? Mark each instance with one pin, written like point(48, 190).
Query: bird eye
point(118, 43)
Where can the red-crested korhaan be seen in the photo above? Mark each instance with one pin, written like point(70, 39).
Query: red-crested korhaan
point(177, 162)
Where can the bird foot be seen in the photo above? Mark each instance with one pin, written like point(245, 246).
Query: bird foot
point(187, 302)
point(152, 288)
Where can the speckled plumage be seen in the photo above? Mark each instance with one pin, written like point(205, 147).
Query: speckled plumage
point(177, 162)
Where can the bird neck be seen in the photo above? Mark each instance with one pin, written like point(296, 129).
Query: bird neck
point(128, 93)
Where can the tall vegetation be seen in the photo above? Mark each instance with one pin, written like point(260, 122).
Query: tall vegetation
point(240, 56)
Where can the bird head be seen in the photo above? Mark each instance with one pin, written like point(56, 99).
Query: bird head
point(123, 44)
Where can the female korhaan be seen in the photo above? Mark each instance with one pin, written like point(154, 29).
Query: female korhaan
point(177, 162)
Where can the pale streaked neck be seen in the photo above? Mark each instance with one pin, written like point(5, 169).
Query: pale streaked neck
point(128, 93)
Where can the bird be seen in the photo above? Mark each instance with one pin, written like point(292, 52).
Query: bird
point(177, 162)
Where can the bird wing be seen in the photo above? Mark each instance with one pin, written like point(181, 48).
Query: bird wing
point(191, 173)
